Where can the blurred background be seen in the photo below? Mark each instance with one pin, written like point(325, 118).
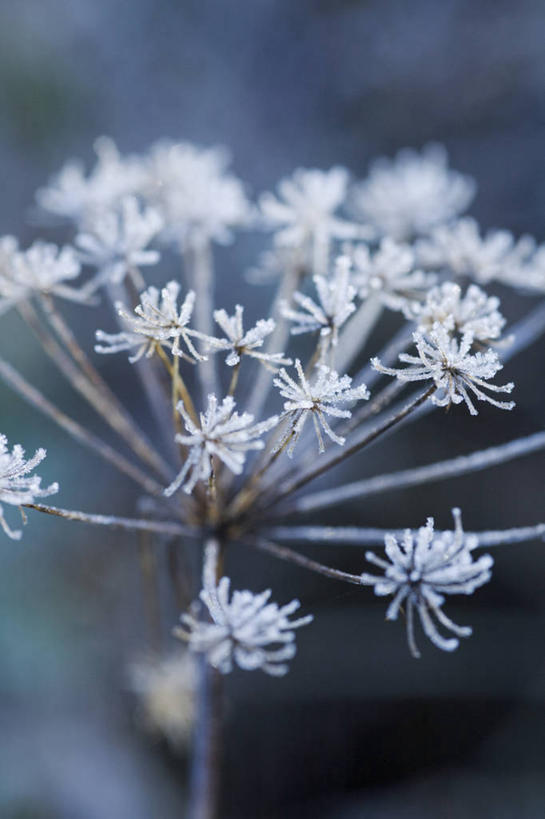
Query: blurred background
point(358, 729)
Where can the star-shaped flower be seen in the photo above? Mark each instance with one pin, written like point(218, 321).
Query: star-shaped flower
point(246, 630)
point(17, 485)
point(239, 342)
point(222, 433)
point(423, 567)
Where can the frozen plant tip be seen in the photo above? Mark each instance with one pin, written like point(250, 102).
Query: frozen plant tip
point(17, 485)
point(222, 433)
point(455, 371)
point(423, 567)
point(247, 630)
point(43, 268)
point(410, 194)
point(317, 398)
point(239, 343)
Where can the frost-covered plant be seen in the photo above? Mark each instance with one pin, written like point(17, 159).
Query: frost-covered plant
point(237, 455)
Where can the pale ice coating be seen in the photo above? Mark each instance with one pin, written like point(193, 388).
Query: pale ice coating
point(246, 630)
point(422, 567)
point(239, 342)
point(17, 486)
point(222, 433)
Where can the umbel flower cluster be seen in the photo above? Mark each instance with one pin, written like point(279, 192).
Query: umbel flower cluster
point(248, 414)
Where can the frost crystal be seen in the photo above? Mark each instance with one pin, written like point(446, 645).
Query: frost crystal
point(318, 400)
point(244, 630)
point(116, 241)
point(476, 312)
point(73, 195)
point(197, 197)
point(17, 486)
point(42, 268)
point(389, 273)
point(336, 303)
point(424, 566)
point(239, 342)
point(454, 369)
point(222, 433)
point(305, 207)
point(408, 195)
point(461, 249)
point(160, 321)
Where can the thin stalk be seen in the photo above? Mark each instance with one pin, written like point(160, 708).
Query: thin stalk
point(110, 407)
point(115, 522)
point(284, 553)
point(178, 385)
point(234, 379)
point(328, 463)
point(207, 751)
point(148, 571)
point(199, 264)
point(92, 442)
point(441, 470)
point(357, 331)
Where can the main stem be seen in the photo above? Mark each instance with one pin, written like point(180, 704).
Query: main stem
point(207, 749)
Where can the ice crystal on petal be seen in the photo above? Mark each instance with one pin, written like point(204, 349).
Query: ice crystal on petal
point(408, 195)
point(389, 273)
point(462, 250)
point(160, 320)
point(239, 342)
point(42, 268)
point(197, 197)
point(306, 206)
point(17, 485)
point(455, 370)
point(336, 303)
point(116, 241)
point(222, 433)
point(317, 399)
point(423, 567)
point(475, 312)
point(73, 195)
point(246, 630)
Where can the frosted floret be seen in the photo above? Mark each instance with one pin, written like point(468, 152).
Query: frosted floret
point(456, 372)
point(318, 400)
point(460, 249)
point(222, 433)
point(160, 320)
point(116, 241)
point(239, 342)
point(73, 195)
point(246, 630)
point(410, 194)
point(335, 304)
point(390, 274)
point(17, 485)
point(42, 268)
point(475, 312)
point(423, 567)
point(305, 208)
point(198, 198)
point(125, 341)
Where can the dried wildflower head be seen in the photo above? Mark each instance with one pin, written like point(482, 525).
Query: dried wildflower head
point(197, 197)
point(460, 249)
point(306, 206)
point(317, 399)
point(475, 312)
point(42, 268)
point(73, 195)
point(454, 369)
point(239, 342)
point(222, 433)
point(17, 485)
point(244, 630)
point(389, 273)
point(166, 692)
point(161, 321)
point(425, 566)
point(410, 194)
point(335, 304)
point(116, 241)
